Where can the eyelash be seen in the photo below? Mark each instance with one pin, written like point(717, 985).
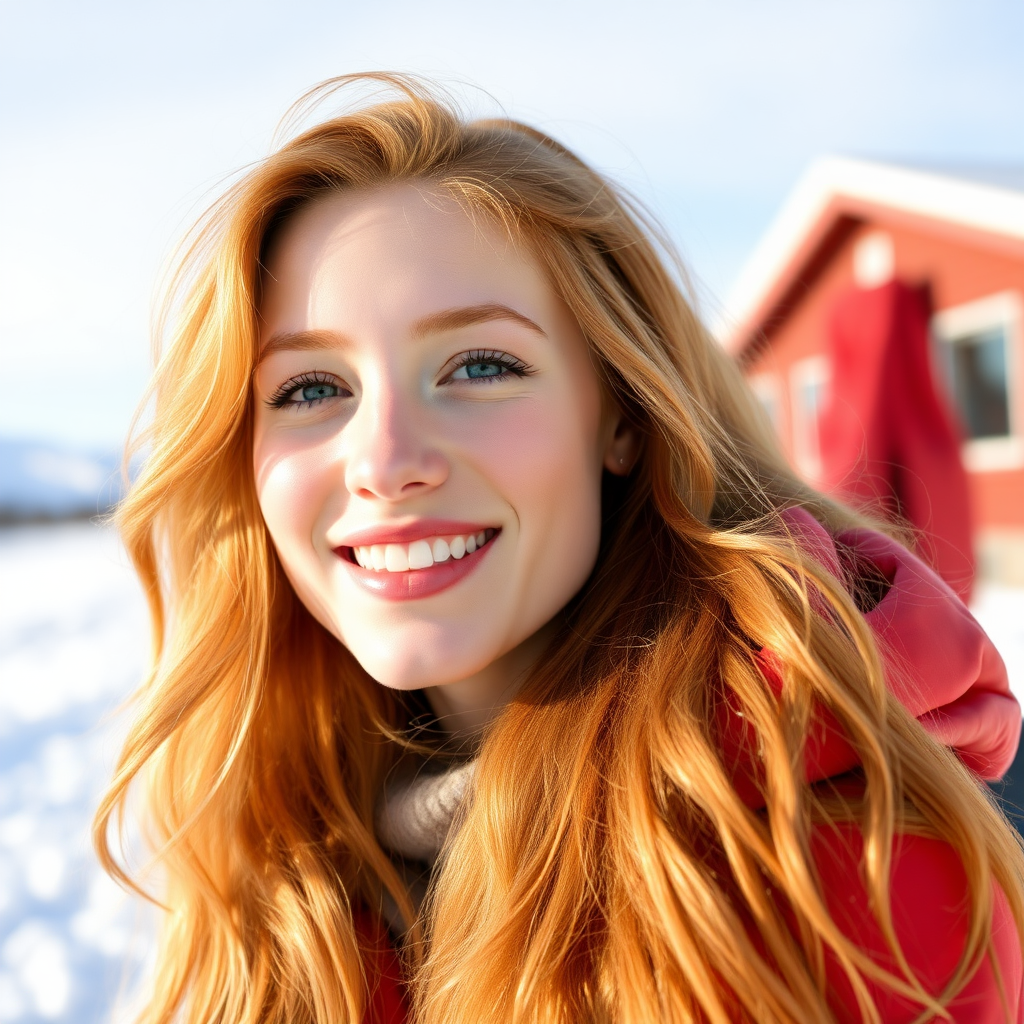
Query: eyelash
point(282, 396)
point(515, 366)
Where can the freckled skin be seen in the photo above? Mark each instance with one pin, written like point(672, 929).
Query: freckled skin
point(400, 438)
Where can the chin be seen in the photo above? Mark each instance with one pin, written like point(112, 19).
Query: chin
point(416, 664)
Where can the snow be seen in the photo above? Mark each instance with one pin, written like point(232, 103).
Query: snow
point(1000, 610)
point(73, 645)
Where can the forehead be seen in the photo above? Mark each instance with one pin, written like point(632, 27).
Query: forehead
point(401, 250)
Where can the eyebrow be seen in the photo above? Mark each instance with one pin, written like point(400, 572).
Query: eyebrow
point(299, 341)
point(466, 316)
point(434, 323)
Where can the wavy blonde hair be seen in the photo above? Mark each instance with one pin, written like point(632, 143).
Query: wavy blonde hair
point(606, 868)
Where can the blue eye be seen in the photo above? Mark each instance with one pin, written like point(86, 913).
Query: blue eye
point(314, 392)
point(307, 390)
point(488, 366)
point(485, 369)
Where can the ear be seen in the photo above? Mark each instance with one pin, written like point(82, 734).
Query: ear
point(623, 446)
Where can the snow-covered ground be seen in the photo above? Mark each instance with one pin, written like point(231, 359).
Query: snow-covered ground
point(73, 643)
point(1001, 611)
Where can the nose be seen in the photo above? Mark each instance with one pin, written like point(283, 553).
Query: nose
point(389, 452)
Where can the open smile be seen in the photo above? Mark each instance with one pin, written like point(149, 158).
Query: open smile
point(420, 554)
point(419, 568)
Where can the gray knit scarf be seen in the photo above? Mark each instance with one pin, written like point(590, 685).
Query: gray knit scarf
point(413, 818)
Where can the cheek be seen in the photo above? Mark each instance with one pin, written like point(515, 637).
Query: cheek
point(526, 437)
point(546, 462)
point(293, 486)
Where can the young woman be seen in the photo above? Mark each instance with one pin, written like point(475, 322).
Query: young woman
point(504, 671)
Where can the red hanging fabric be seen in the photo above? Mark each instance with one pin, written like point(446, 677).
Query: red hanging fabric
point(888, 437)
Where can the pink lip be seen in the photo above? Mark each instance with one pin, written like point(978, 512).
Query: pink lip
point(406, 533)
point(416, 583)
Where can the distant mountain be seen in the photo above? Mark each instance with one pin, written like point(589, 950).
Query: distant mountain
point(42, 480)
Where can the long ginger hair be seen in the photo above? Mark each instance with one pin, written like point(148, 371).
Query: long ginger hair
point(605, 867)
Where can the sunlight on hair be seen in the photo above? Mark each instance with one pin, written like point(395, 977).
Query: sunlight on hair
point(607, 867)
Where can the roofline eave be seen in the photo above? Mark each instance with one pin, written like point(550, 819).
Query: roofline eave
point(819, 196)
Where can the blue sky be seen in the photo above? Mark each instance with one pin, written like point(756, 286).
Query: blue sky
point(120, 120)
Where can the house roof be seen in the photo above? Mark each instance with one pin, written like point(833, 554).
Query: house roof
point(986, 200)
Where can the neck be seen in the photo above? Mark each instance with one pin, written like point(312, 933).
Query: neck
point(465, 707)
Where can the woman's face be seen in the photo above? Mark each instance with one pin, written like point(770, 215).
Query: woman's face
point(429, 436)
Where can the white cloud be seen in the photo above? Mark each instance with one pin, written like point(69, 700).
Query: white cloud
point(45, 871)
point(38, 957)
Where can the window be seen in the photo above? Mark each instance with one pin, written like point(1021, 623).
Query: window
point(976, 348)
point(808, 384)
point(975, 367)
point(767, 391)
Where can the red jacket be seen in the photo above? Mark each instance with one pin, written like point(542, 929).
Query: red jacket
point(946, 672)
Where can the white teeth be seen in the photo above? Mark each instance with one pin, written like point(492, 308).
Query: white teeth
point(396, 558)
point(420, 554)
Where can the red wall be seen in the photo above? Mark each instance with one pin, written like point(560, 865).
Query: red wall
point(961, 266)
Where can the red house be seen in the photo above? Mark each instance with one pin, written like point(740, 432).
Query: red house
point(865, 256)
